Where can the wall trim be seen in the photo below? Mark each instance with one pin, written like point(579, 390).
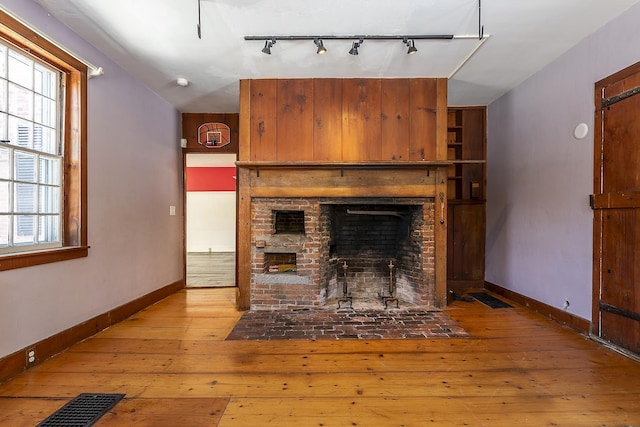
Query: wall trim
point(16, 363)
point(574, 322)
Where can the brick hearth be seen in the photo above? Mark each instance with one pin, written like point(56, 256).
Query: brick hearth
point(338, 325)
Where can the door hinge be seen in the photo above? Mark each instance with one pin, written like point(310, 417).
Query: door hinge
point(592, 201)
point(619, 311)
point(620, 97)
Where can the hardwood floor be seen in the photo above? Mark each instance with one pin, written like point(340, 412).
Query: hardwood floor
point(171, 360)
point(211, 269)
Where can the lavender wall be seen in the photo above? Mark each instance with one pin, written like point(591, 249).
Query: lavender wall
point(539, 224)
point(134, 175)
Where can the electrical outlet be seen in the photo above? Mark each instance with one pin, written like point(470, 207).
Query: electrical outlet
point(31, 356)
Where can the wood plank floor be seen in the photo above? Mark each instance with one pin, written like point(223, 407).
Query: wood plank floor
point(211, 269)
point(171, 360)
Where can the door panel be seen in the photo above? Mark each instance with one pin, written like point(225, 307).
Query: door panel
point(621, 151)
point(617, 211)
point(465, 247)
point(621, 331)
point(621, 273)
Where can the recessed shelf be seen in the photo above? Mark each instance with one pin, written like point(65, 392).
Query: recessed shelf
point(466, 181)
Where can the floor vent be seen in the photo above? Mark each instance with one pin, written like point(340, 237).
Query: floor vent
point(82, 411)
point(490, 300)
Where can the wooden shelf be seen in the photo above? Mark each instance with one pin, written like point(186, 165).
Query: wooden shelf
point(466, 152)
point(466, 197)
point(466, 202)
point(467, 162)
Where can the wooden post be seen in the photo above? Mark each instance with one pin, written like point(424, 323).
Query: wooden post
point(441, 237)
point(243, 229)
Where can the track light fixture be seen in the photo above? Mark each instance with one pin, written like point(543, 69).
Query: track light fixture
point(355, 46)
point(268, 44)
point(267, 47)
point(321, 49)
point(411, 45)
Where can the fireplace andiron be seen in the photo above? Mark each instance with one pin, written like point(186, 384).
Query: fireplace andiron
point(391, 296)
point(346, 297)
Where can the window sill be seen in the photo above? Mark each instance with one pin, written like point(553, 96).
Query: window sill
point(28, 259)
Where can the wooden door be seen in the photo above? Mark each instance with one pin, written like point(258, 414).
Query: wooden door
point(616, 203)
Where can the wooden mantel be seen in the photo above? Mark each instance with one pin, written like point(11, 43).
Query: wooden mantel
point(342, 179)
point(381, 164)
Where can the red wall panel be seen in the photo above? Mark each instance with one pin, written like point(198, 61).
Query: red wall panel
point(211, 178)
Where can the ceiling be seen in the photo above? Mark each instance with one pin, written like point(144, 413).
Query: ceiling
point(157, 41)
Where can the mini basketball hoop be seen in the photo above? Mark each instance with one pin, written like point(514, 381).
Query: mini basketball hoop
point(214, 135)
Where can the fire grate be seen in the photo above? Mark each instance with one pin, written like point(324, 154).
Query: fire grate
point(82, 411)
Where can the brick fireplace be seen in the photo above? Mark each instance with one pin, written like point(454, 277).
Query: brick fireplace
point(342, 193)
point(307, 245)
point(305, 249)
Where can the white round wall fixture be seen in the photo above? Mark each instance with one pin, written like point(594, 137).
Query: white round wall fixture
point(580, 131)
point(182, 82)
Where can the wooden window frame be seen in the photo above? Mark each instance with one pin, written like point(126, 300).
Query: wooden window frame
point(74, 214)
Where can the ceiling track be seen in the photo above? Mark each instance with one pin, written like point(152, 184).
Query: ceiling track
point(403, 37)
point(356, 37)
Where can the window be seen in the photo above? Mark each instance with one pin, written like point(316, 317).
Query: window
point(30, 153)
point(42, 150)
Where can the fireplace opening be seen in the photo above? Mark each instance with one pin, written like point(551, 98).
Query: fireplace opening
point(368, 231)
point(375, 252)
point(288, 222)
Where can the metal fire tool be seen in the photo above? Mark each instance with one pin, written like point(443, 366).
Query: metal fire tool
point(392, 288)
point(346, 297)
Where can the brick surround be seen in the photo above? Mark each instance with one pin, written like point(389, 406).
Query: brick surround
point(382, 230)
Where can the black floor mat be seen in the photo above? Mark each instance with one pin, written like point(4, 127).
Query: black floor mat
point(489, 300)
point(82, 411)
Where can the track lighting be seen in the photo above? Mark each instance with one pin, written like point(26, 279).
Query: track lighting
point(321, 49)
point(355, 46)
point(408, 40)
point(268, 44)
point(412, 47)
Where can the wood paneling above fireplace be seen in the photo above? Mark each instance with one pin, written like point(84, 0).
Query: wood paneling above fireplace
point(343, 119)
